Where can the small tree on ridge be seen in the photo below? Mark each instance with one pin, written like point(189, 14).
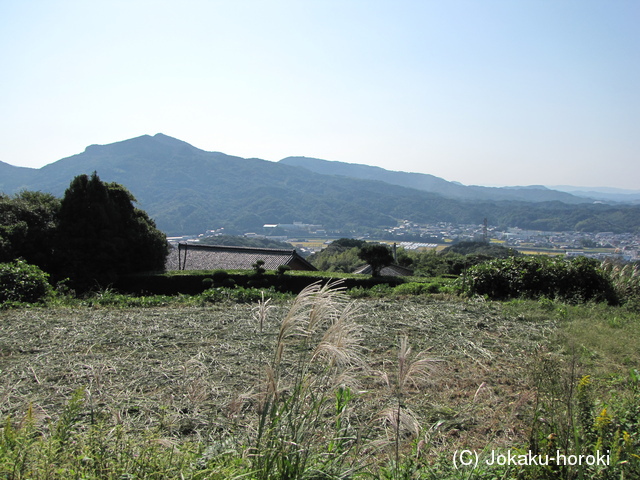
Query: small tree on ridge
point(378, 256)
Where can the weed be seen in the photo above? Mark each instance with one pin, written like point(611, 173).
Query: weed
point(295, 394)
point(409, 373)
point(262, 310)
point(572, 418)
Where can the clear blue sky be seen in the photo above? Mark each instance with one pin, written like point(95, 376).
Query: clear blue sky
point(490, 92)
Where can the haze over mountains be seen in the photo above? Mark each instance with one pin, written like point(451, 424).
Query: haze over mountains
point(188, 190)
point(430, 183)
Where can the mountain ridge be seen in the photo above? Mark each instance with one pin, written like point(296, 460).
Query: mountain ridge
point(431, 183)
point(188, 190)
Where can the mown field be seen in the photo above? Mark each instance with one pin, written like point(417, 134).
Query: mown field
point(182, 384)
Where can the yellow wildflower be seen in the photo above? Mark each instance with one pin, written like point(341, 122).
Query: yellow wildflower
point(603, 419)
point(584, 382)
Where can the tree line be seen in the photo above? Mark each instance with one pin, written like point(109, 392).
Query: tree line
point(348, 254)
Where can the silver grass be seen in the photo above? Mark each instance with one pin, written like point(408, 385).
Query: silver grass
point(402, 421)
point(409, 372)
point(340, 343)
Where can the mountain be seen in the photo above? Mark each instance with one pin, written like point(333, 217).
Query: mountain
point(12, 178)
point(430, 183)
point(187, 191)
point(605, 194)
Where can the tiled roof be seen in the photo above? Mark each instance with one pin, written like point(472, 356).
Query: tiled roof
point(213, 257)
point(388, 271)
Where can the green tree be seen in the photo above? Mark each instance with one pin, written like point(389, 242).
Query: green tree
point(377, 256)
point(340, 256)
point(102, 235)
point(489, 250)
point(28, 222)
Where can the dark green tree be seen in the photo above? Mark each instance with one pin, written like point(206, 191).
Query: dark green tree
point(28, 222)
point(377, 256)
point(102, 235)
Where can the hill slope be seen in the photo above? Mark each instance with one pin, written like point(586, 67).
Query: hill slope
point(433, 184)
point(187, 190)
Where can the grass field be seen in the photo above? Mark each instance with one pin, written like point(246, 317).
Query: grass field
point(188, 377)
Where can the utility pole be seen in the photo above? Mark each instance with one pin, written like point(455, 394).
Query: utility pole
point(485, 234)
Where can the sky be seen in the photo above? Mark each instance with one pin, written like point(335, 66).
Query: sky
point(483, 92)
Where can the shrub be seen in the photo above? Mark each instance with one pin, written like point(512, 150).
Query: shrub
point(101, 235)
point(282, 269)
point(229, 283)
point(214, 295)
point(380, 290)
point(219, 276)
point(580, 279)
point(358, 292)
point(411, 288)
point(239, 295)
point(258, 268)
point(22, 282)
point(249, 295)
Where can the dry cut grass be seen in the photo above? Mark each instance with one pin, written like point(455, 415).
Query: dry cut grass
point(189, 372)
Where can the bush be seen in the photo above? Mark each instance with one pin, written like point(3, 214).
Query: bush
point(101, 235)
point(219, 276)
point(282, 269)
point(410, 288)
point(239, 295)
point(380, 290)
point(578, 280)
point(22, 282)
point(214, 295)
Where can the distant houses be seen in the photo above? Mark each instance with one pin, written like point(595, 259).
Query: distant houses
point(187, 256)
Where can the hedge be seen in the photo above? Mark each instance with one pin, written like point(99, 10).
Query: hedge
point(193, 284)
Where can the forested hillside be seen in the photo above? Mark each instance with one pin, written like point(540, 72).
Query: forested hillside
point(187, 191)
point(433, 184)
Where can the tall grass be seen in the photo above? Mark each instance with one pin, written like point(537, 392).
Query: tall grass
point(410, 371)
point(626, 282)
point(307, 380)
point(38, 448)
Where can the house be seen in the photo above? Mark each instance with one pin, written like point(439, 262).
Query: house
point(388, 271)
point(188, 256)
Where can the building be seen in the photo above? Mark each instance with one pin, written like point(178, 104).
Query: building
point(387, 271)
point(189, 256)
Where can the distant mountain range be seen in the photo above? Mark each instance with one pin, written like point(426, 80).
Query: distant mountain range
point(188, 190)
point(606, 194)
point(430, 183)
